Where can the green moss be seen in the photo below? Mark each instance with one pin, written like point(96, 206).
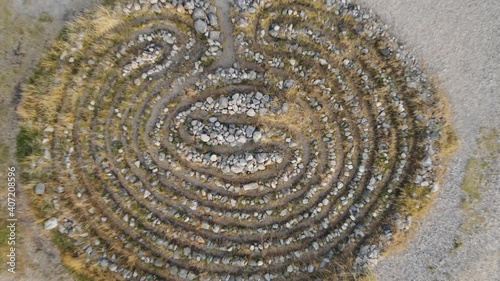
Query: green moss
point(62, 242)
point(457, 243)
point(28, 143)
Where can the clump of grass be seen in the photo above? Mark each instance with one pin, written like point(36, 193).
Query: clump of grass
point(45, 17)
point(367, 276)
point(457, 243)
point(28, 143)
point(473, 178)
point(477, 172)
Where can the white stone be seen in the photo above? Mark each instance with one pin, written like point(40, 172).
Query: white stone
point(50, 223)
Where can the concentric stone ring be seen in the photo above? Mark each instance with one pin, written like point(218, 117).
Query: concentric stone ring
point(290, 142)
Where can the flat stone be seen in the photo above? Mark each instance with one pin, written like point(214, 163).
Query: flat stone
point(412, 85)
point(205, 138)
point(50, 224)
point(155, 8)
point(385, 52)
point(39, 188)
point(215, 35)
point(249, 131)
point(250, 186)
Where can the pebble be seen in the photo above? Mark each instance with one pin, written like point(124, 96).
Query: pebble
point(50, 223)
point(39, 188)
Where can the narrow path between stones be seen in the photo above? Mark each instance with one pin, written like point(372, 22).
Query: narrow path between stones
point(228, 57)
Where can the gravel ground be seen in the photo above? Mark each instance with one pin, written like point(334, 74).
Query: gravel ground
point(459, 43)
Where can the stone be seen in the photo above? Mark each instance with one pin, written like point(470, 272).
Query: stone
point(215, 35)
point(50, 224)
point(205, 138)
point(200, 26)
point(155, 8)
point(412, 85)
point(242, 140)
point(385, 52)
point(257, 136)
point(250, 186)
point(249, 131)
point(104, 263)
point(427, 162)
point(189, 5)
point(251, 112)
point(435, 187)
point(212, 19)
point(199, 14)
point(113, 267)
point(59, 189)
point(283, 212)
point(39, 188)
point(288, 83)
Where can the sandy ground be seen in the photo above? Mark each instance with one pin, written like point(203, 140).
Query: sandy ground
point(458, 42)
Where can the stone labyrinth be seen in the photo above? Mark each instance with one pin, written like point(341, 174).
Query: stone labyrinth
point(245, 140)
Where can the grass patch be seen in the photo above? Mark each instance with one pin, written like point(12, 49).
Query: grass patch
point(74, 266)
point(479, 169)
point(367, 276)
point(473, 178)
point(4, 154)
point(45, 17)
point(457, 243)
point(28, 143)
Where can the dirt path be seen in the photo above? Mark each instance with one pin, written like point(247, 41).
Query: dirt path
point(228, 57)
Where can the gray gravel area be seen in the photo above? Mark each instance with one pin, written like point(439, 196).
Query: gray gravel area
point(458, 43)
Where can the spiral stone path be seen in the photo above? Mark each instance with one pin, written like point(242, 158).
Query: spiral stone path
point(245, 140)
